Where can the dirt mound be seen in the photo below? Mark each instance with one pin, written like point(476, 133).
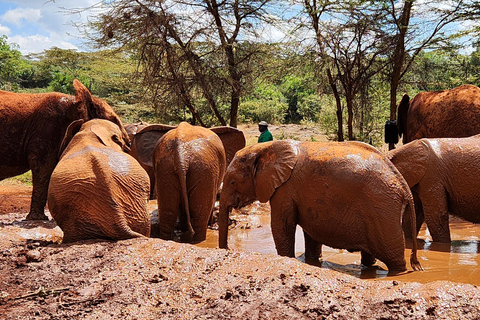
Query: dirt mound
point(147, 279)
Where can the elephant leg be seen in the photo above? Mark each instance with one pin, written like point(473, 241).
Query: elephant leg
point(283, 223)
point(41, 173)
point(313, 249)
point(435, 205)
point(368, 259)
point(201, 200)
point(168, 211)
point(406, 224)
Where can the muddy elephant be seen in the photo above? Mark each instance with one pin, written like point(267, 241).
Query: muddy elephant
point(97, 190)
point(345, 195)
point(444, 175)
point(32, 127)
point(451, 113)
point(145, 140)
point(189, 164)
point(133, 128)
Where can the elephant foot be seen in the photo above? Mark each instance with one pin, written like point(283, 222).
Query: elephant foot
point(368, 260)
point(36, 216)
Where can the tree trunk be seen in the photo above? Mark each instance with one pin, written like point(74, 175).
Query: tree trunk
point(398, 60)
point(339, 105)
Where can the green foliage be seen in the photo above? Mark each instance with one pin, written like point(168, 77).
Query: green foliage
point(266, 103)
point(13, 67)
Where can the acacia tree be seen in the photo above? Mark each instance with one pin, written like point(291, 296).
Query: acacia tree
point(189, 51)
point(350, 42)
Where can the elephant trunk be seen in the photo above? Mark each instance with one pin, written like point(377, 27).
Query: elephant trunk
point(223, 224)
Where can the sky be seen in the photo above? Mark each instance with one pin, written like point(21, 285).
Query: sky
point(36, 25)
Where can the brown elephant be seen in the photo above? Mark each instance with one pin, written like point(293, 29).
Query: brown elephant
point(145, 140)
point(451, 113)
point(444, 175)
point(346, 195)
point(189, 163)
point(97, 191)
point(32, 127)
point(133, 128)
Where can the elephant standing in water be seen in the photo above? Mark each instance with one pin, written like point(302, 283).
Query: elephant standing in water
point(345, 195)
point(189, 164)
point(444, 175)
point(97, 191)
point(451, 113)
point(32, 127)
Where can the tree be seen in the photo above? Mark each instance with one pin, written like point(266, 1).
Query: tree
point(349, 43)
point(13, 67)
point(188, 51)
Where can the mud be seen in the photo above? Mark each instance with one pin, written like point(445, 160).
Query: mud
point(151, 278)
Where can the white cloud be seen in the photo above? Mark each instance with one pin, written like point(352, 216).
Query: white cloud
point(4, 30)
point(16, 16)
point(38, 43)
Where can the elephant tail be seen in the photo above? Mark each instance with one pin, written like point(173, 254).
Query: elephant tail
point(182, 166)
point(410, 208)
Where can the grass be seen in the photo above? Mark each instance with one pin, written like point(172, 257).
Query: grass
point(23, 179)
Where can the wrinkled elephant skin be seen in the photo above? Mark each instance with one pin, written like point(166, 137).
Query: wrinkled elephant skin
point(97, 190)
point(32, 127)
point(444, 175)
point(189, 164)
point(451, 113)
point(345, 195)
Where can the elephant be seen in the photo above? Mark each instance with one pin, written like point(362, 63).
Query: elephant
point(189, 164)
point(97, 190)
point(444, 176)
point(143, 145)
point(451, 113)
point(32, 127)
point(133, 128)
point(346, 195)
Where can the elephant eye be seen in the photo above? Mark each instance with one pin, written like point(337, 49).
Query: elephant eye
point(115, 138)
point(232, 182)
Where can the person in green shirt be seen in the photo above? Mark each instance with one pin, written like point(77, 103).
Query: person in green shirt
point(265, 135)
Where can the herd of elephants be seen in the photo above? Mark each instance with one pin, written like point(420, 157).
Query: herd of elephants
point(98, 175)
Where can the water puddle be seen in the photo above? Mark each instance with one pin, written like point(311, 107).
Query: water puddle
point(456, 262)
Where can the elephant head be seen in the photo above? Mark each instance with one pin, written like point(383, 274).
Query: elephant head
point(412, 160)
point(254, 173)
point(109, 134)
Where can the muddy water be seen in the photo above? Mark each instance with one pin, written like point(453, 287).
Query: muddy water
point(458, 261)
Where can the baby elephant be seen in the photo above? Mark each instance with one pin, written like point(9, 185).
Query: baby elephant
point(97, 190)
point(444, 176)
point(345, 195)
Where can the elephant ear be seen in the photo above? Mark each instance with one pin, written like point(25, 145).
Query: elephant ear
point(273, 166)
point(402, 115)
point(72, 130)
point(411, 160)
point(232, 139)
point(85, 98)
point(145, 140)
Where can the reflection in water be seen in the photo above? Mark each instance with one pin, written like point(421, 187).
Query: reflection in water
point(457, 261)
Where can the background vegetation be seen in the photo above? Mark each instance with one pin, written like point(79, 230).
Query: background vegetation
point(163, 64)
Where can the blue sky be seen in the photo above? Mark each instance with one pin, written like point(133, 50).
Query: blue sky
point(36, 25)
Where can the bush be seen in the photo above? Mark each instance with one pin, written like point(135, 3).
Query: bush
point(272, 111)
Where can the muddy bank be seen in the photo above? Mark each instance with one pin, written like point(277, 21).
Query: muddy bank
point(146, 279)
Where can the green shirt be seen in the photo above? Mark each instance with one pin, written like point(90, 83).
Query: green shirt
point(265, 136)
